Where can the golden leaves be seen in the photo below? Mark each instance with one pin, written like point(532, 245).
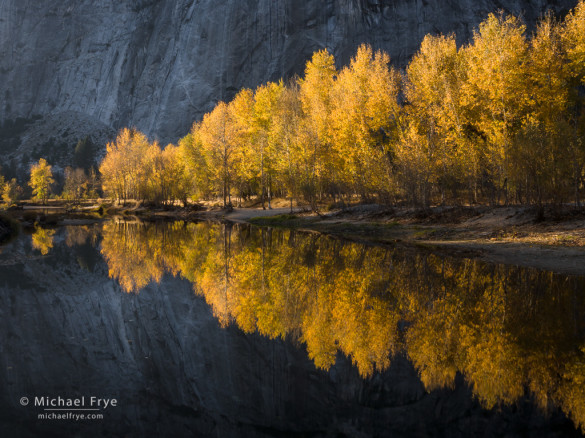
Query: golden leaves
point(41, 178)
point(42, 239)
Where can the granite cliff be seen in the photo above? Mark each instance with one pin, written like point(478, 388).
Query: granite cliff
point(160, 64)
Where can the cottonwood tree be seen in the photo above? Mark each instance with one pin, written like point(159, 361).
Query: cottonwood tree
point(11, 192)
point(265, 109)
point(125, 169)
point(246, 145)
point(495, 93)
point(540, 163)
point(41, 178)
point(573, 34)
point(433, 93)
point(192, 156)
point(315, 93)
point(364, 113)
point(288, 161)
point(500, 117)
point(573, 38)
point(217, 137)
point(176, 183)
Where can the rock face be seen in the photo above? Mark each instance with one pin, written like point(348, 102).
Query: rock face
point(161, 64)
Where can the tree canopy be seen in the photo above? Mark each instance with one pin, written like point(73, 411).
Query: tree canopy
point(41, 178)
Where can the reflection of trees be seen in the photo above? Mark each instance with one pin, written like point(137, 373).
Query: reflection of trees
point(503, 328)
point(137, 254)
point(42, 239)
point(77, 235)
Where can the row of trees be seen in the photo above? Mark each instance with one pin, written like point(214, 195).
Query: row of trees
point(79, 184)
point(135, 168)
point(498, 120)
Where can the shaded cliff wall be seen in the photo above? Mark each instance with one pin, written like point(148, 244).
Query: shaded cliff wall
point(159, 65)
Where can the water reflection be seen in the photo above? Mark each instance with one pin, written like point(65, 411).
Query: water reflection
point(505, 329)
point(42, 239)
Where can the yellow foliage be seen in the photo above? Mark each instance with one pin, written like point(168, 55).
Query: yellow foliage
point(42, 239)
point(41, 178)
point(497, 120)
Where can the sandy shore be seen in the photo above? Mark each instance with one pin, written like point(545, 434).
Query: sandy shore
point(509, 235)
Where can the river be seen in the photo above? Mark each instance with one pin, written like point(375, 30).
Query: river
point(228, 330)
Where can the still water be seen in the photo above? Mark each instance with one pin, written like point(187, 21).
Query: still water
point(201, 329)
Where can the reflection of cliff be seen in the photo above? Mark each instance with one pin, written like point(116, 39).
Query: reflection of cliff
point(503, 328)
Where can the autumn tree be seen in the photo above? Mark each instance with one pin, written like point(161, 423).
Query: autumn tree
point(433, 92)
point(501, 118)
point(540, 163)
point(217, 137)
point(267, 143)
point(315, 94)
point(288, 160)
point(192, 156)
point(114, 179)
point(152, 181)
point(573, 35)
point(41, 178)
point(573, 41)
point(176, 183)
point(363, 119)
point(495, 94)
point(246, 144)
point(125, 170)
point(11, 192)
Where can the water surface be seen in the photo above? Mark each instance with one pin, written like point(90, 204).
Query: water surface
point(231, 330)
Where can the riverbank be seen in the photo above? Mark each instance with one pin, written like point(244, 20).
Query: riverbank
point(519, 236)
point(516, 235)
